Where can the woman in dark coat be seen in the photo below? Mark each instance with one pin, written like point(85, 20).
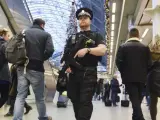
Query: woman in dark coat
point(13, 93)
point(154, 81)
point(4, 68)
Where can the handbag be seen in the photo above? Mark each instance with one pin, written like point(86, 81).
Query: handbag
point(119, 90)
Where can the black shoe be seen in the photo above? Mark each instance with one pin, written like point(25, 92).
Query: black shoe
point(9, 114)
point(28, 109)
point(115, 105)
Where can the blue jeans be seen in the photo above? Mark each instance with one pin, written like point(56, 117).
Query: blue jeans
point(113, 96)
point(36, 80)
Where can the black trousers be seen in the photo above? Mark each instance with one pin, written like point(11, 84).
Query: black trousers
point(4, 92)
point(153, 106)
point(81, 88)
point(135, 94)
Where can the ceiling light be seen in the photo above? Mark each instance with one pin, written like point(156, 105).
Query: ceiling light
point(111, 43)
point(110, 64)
point(112, 27)
point(145, 32)
point(112, 33)
point(113, 18)
point(112, 38)
point(113, 7)
point(111, 47)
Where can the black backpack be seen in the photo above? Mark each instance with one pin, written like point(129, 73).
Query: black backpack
point(62, 82)
point(15, 50)
point(2, 55)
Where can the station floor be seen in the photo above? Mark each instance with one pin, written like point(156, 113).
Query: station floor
point(100, 112)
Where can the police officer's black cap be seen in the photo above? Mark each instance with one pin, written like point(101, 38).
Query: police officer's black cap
point(84, 11)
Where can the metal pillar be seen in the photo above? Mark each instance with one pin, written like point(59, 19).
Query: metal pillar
point(154, 13)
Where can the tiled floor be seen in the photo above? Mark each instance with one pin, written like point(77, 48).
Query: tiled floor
point(100, 113)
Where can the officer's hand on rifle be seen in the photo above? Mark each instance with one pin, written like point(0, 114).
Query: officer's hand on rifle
point(69, 70)
point(81, 53)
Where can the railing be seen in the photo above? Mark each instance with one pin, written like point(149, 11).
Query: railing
point(28, 11)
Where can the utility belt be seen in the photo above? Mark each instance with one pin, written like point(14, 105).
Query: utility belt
point(86, 73)
point(90, 68)
point(83, 69)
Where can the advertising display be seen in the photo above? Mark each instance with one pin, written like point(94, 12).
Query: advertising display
point(19, 13)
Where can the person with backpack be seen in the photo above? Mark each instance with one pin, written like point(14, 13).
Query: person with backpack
point(5, 79)
point(90, 46)
point(39, 47)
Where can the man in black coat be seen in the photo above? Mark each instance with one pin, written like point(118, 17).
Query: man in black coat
point(133, 61)
point(39, 47)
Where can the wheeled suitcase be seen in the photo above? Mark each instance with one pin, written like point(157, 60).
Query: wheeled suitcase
point(125, 101)
point(61, 105)
point(108, 102)
point(117, 99)
point(62, 101)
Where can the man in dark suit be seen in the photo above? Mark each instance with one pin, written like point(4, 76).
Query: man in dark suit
point(133, 61)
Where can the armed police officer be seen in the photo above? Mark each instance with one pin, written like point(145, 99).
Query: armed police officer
point(88, 47)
